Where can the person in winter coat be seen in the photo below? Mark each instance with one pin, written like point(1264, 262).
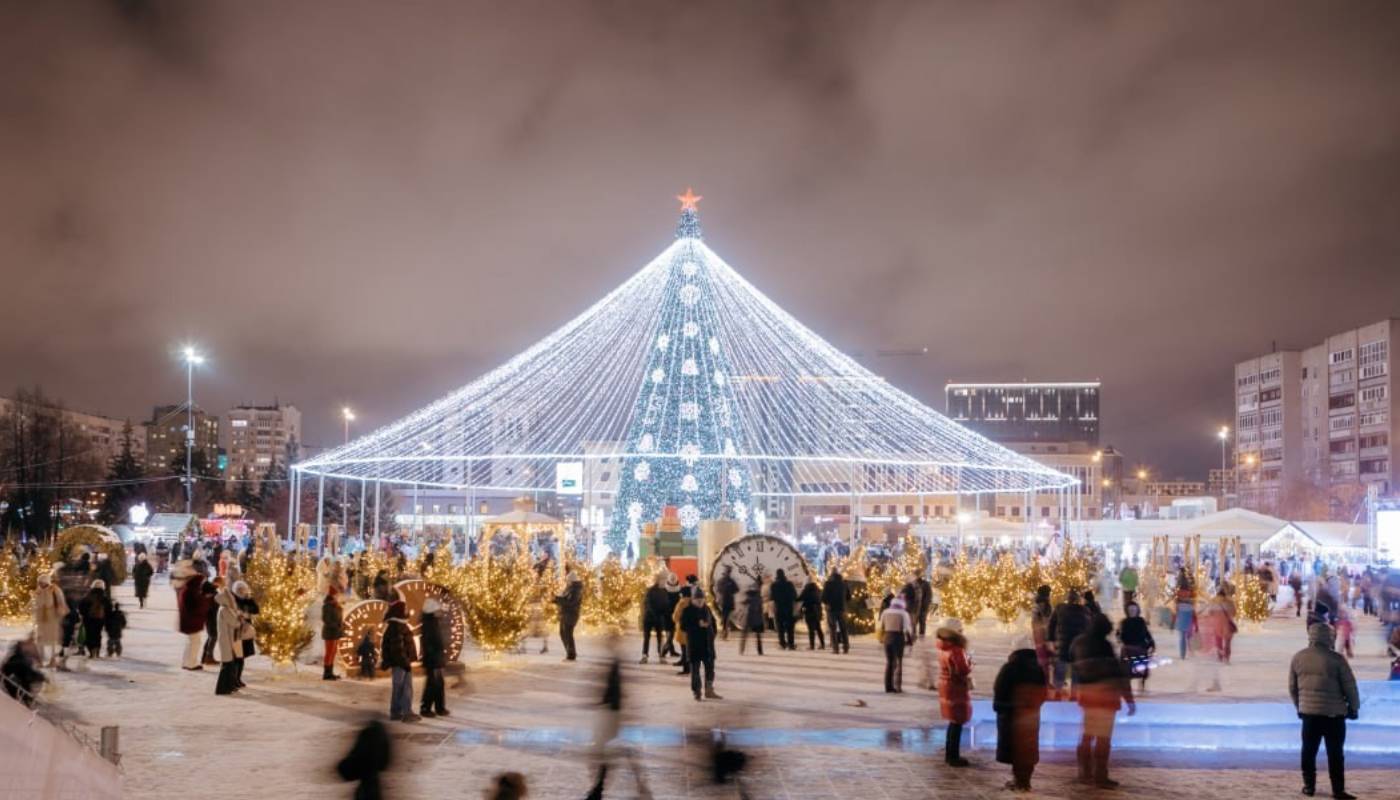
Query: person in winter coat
point(370, 755)
point(726, 590)
point(141, 578)
point(1217, 627)
point(811, 600)
point(1041, 612)
point(332, 629)
point(433, 703)
point(115, 624)
point(570, 601)
point(673, 597)
point(1137, 644)
point(367, 652)
point(753, 618)
point(398, 655)
point(1103, 686)
point(22, 678)
point(49, 610)
point(1069, 621)
point(834, 598)
point(954, 687)
point(94, 610)
point(925, 604)
point(1017, 696)
point(784, 596)
point(1185, 620)
point(248, 608)
point(682, 604)
point(1323, 690)
point(229, 622)
point(898, 632)
point(1128, 579)
point(193, 604)
point(656, 612)
point(699, 625)
point(211, 622)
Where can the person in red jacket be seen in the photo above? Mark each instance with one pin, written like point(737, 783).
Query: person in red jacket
point(954, 687)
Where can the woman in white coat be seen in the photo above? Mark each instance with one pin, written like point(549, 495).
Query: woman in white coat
point(49, 608)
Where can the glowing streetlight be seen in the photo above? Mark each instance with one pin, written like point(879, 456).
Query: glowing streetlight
point(1224, 435)
point(1142, 474)
point(192, 358)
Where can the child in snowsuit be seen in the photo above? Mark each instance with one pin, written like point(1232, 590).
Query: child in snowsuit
point(115, 624)
point(367, 652)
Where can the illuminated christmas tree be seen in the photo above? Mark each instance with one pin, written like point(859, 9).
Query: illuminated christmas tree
point(684, 422)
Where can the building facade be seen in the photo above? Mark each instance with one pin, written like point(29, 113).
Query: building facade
point(1317, 417)
point(1027, 412)
point(261, 438)
point(165, 439)
point(102, 435)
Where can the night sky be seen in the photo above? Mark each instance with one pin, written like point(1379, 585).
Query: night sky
point(371, 203)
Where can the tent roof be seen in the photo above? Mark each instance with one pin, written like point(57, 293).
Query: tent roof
point(1325, 535)
point(518, 517)
point(1234, 522)
point(806, 419)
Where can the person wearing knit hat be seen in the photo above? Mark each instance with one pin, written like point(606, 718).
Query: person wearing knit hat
point(433, 647)
point(1017, 696)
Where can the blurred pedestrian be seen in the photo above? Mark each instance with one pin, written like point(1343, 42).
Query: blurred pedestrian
point(141, 579)
point(1137, 644)
point(834, 598)
point(699, 625)
point(753, 618)
point(570, 601)
point(681, 605)
point(230, 645)
point(954, 687)
point(726, 590)
point(20, 671)
point(248, 609)
point(783, 594)
point(507, 786)
point(370, 756)
point(332, 629)
point(656, 608)
point(433, 702)
point(1069, 620)
point(1323, 690)
point(49, 610)
point(114, 625)
point(1103, 686)
point(95, 608)
point(1017, 696)
point(811, 600)
point(608, 726)
point(897, 632)
point(399, 653)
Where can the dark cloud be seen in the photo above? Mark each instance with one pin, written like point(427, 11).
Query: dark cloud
point(371, 202)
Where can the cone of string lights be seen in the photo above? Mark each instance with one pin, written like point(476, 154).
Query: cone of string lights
point(283, 587)
point(884, 578)
point(497, 593)
point(616, 596)
point(966, 592)
point(1007, 596)
point(855, 571)
point(1033, 577)
point(912, 563)
point(1075, 570)
point(15, 591)
point(1253, 601)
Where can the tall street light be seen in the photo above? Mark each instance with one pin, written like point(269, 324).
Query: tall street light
point(192, 358)
point(347, 416)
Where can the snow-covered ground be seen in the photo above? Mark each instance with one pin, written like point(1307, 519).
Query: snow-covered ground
point(832, 730)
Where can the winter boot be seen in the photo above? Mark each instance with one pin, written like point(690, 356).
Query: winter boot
point(710, 693)
point(645, 658)
point(328, 673)
point(1083, 754)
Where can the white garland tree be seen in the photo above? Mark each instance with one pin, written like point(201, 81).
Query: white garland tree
point(684, 422)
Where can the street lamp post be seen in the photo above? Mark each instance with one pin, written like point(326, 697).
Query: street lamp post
point(192, 357)
point(347, 416)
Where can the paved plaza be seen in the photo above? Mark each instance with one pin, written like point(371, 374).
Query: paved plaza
point(817, 725)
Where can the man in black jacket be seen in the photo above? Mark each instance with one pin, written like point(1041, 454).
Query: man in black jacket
point(570, 601)
point(834, 598)
point(1068, 620)
point(727, 589)
point(925, 604)
point(433, 702)
point(699, 626)
point(811, 598)
point(784, 597)
point(656, 612)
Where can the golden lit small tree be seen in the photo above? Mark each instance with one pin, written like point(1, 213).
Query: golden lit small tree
point(283, 587)
point(497, 592)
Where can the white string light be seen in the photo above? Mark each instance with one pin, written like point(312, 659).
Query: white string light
point(795, 415)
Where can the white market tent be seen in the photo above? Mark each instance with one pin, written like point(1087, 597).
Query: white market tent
point(1335, 538)
point(1252, 528)
point(807, 420)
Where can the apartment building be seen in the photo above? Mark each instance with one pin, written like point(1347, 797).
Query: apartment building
point(102, 435)
point(260, 438)
point(1320, 415)
point(165, 438)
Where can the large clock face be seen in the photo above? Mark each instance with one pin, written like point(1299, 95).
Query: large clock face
point(757, 558)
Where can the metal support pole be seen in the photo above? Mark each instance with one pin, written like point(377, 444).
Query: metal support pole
point(320, 514)
point(361, 530)
point(291, 503)
point(377, 543)
point(189, 435)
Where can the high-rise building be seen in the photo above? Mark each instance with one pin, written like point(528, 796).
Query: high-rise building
point(1318, 416)
point(1013, 413)
point(165, 439)
point(260, 438)
point(102, 434)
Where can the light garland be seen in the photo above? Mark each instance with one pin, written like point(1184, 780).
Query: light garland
point(15, 592)
point(1007, 596)
point(966, 592)
point(1075, 570)
point(498, 592)
point(690, 369)
point(615, 596)
point(283, 587)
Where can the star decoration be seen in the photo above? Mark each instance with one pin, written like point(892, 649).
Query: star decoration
point(690, 200)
